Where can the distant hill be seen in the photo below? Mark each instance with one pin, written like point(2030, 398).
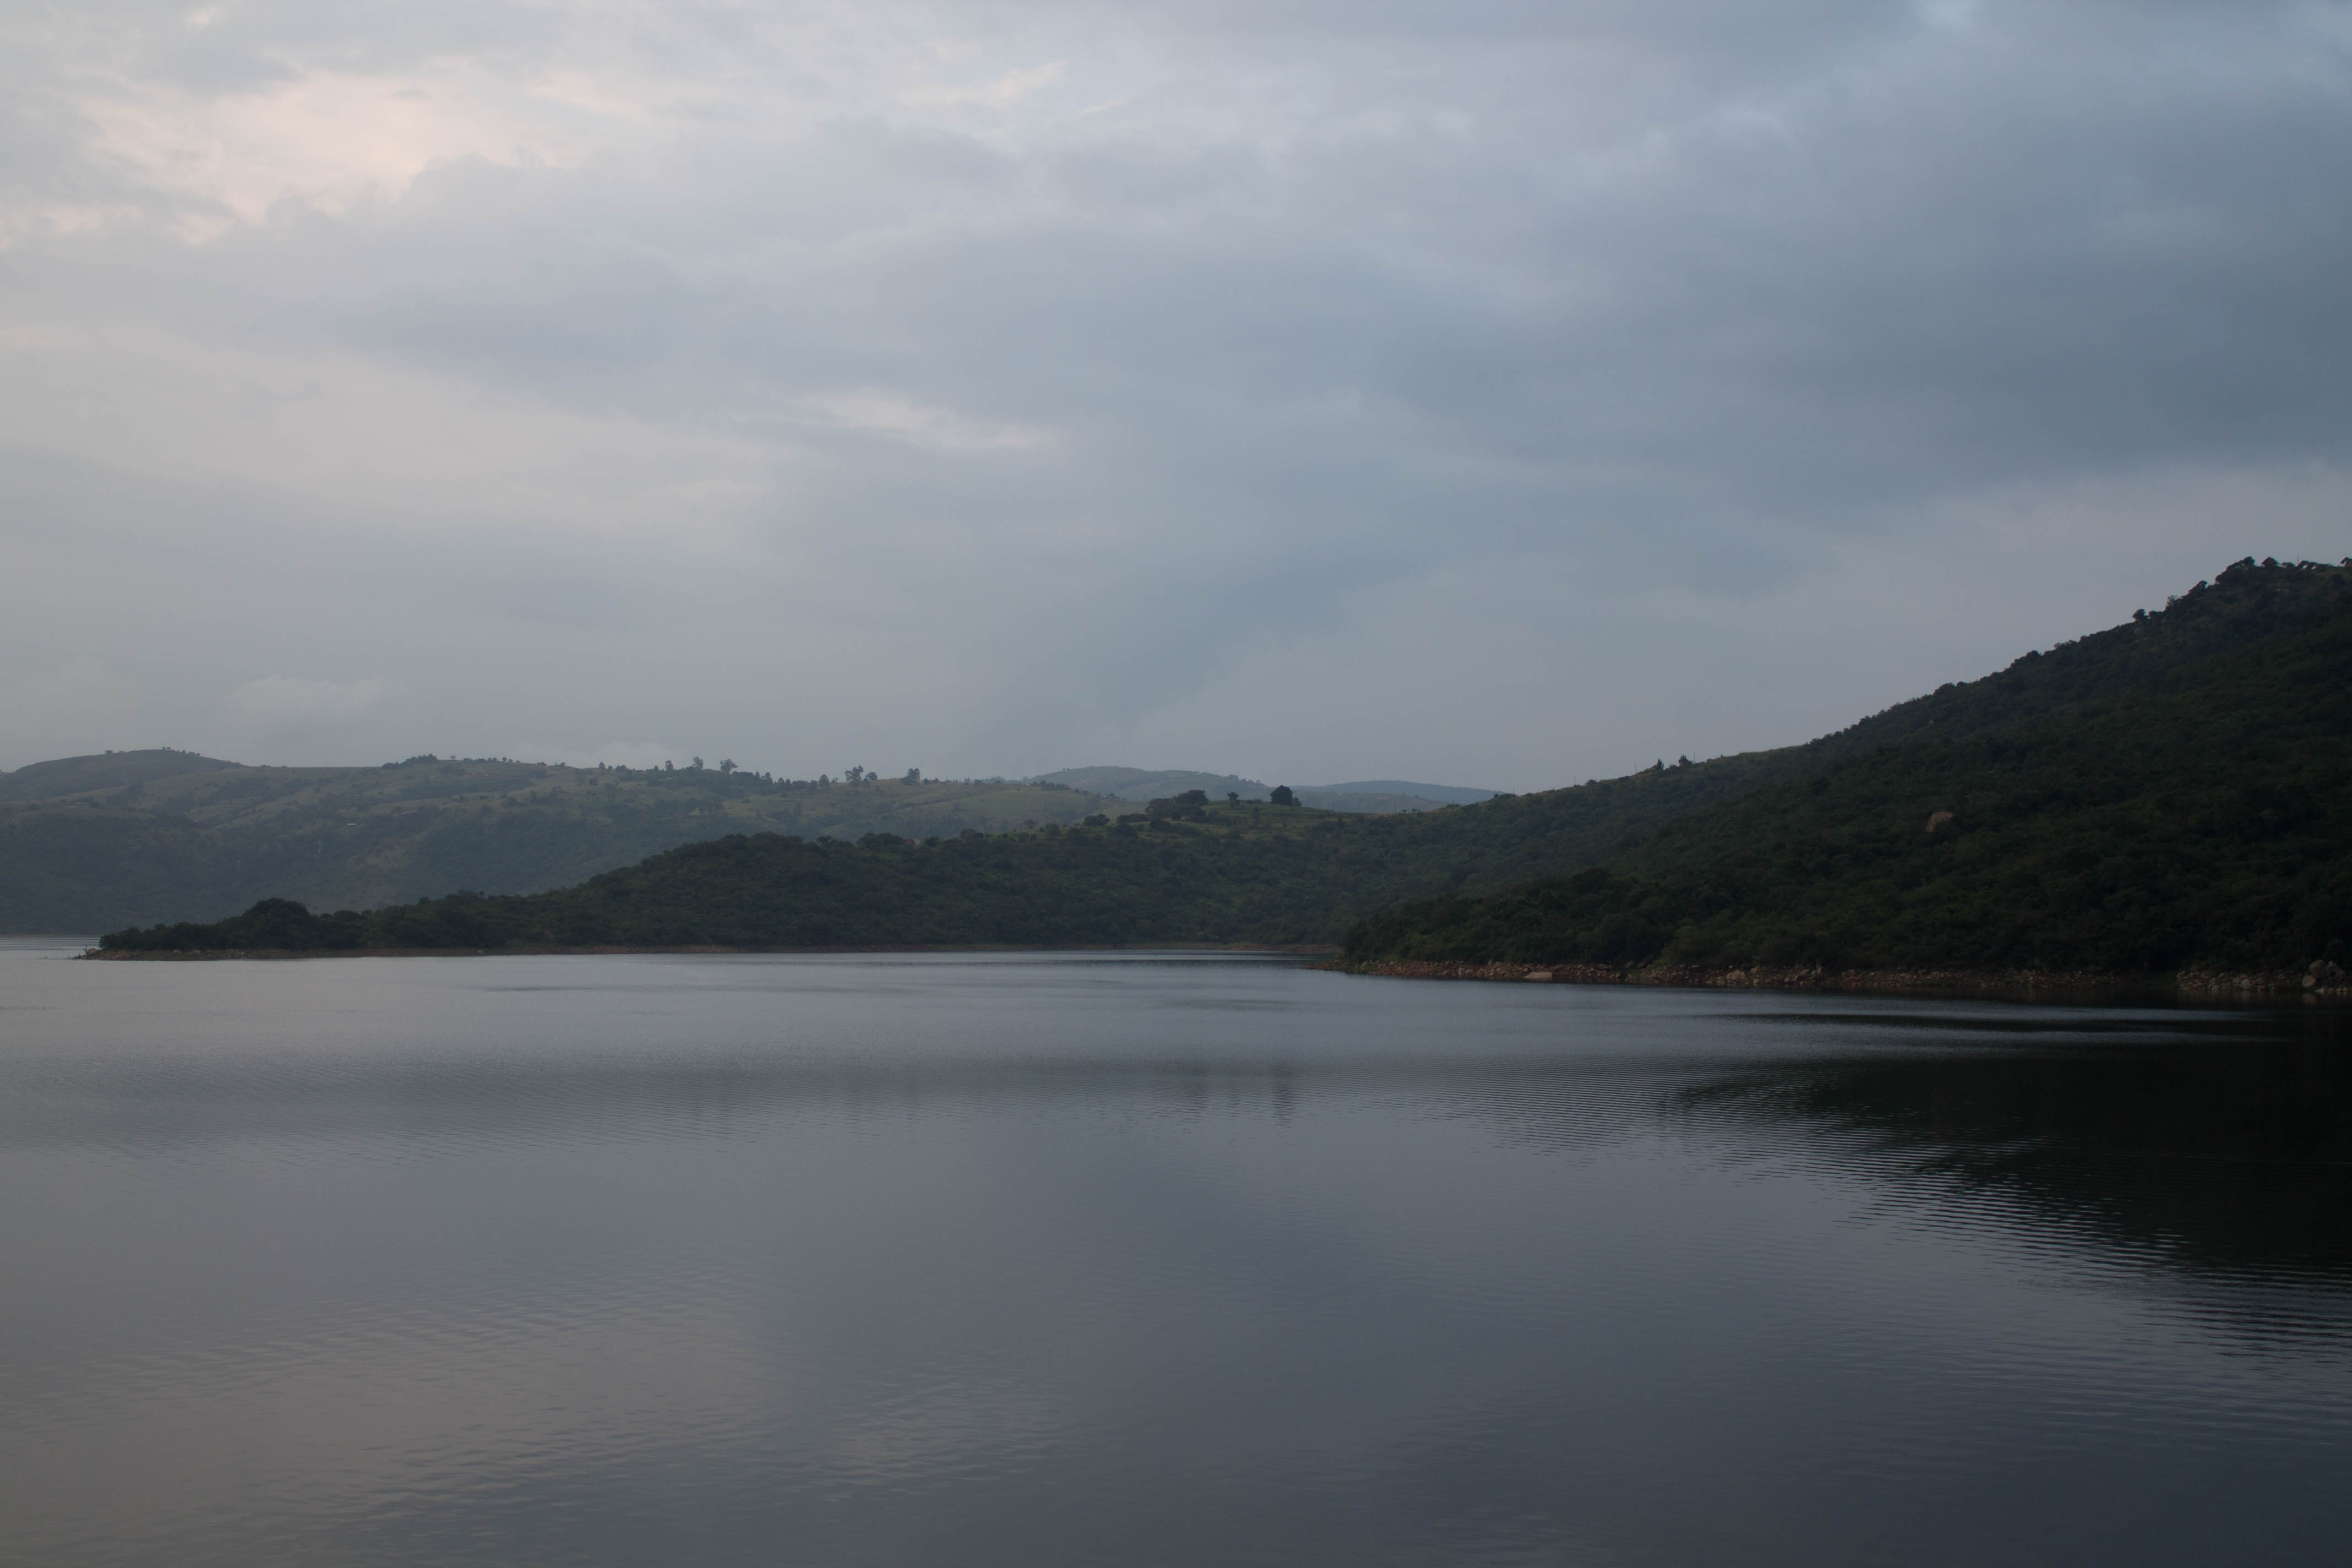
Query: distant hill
point(1325, 797)
point(1149, 784)
point(109, 770)
point(1381, 795)
point(1443, 795)
point(90, 843)
point(2175, 790)
point(512, 819)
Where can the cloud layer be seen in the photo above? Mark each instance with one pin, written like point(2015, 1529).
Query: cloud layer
point(1498, 392)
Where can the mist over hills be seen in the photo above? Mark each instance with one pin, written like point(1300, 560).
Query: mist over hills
point(90, 843)
point(2174, 790)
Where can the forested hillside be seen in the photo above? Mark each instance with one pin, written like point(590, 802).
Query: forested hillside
point(90, 843)
point(1205, 872)
point(2170, 790)
point(2180, 794)
point(197, 845)
point(1177, 872)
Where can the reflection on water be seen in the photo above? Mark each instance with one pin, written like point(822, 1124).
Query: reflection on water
point(1101, 1258)
point(2216, 1144)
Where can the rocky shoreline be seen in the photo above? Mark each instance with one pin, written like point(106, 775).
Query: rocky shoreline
point(2322, 980)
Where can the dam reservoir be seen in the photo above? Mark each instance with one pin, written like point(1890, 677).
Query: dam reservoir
point(1154, 1259)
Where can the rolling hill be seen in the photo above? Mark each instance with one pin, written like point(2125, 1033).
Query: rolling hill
point(108, 770)
point(88, 843)
point(2169, 790)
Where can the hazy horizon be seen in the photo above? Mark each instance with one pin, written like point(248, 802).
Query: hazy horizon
point(1512, 393)
point(695, 759)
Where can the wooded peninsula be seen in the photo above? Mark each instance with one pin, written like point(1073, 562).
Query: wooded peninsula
point(2169, 798)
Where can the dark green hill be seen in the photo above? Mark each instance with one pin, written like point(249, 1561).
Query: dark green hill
point(2202, 817)
point(1310, 874)
point(1216, 873)
point(2248, 604)
point(1194, 881)
point(1762, 853)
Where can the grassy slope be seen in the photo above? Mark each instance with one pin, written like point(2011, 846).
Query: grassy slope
point(109, 770)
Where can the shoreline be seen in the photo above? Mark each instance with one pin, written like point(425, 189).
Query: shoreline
point(278, 954)
point(2080, 986)
point(2188, 985)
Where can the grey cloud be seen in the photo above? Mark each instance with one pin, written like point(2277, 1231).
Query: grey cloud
point(1975, 283)
point(240, 45)
point(1360, 299)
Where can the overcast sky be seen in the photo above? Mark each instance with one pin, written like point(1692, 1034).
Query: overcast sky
point(1488, 392)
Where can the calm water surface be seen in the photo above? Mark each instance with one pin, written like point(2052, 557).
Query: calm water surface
point(1130, 1259)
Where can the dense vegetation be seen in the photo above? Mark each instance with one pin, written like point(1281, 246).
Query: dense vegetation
point(2171, 791)
point(1244, 873)
point(202, 843)
point(1172, 881)
point(2189, 803)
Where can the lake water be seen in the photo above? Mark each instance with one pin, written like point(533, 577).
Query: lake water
point(1112, 1259)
